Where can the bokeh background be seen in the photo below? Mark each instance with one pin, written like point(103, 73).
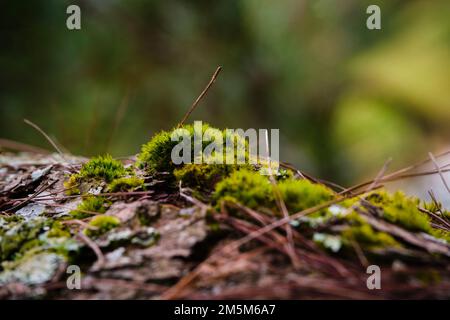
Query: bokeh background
point(345, 98)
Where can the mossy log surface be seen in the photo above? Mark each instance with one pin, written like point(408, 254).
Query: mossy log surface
point(148, 234)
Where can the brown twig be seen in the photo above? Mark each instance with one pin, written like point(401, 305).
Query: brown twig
point(399, 174)
point(282, 207)
point(19, 146)
point(26, 200)
point(435, 216)
point(438, 168)
point(93, 246)
point(204, 92)
point(123, 193)
point(380, 175)
point(186, 280)
point(35, 126)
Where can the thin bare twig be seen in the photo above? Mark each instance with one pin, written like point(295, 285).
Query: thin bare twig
point(26, 200)
point(435, 216)
point(282, 206)
point(35, 126)
point(380, 174)
point(93, 246)
point(19, 146)
point(399, 174)
point(204, 92)
point(438, 168)
point(360, 254)
point(186, 280)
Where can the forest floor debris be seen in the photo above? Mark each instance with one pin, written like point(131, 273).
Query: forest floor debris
point(163, 240)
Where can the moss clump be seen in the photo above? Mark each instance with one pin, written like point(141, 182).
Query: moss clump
point(364, 235)
point(103, 168)
point(302, 194)
point(254, 190)
point(246, 187)
point(72, 185)
point(204, 177)
point(58, 231)
point(126, 184)
point(236, 145)
point(201, 176)
point(103, 224)
point(402, 210)
point(155, 156)
point(358, 231)
point(90, 205)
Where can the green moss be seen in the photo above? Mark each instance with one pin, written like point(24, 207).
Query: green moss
point(235, 145)
point(155, 155)
point(31, 245)
point(58, 230)
point(348, 203)
point(254, 190)
point(90, 204)
point(446, 214)
point(20, 237)
point(203, 176)
point(246, 187)
point(103, 167)
point(103, 224)
point(434, 207)
point(359, 231)
point(126, 184)
point(441, 234)
point(72, 185)
point(366, 237)
point(302, 194)
point(402, 210)
point(16, 233)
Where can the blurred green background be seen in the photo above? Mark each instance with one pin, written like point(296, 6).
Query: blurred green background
point(345, 98)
